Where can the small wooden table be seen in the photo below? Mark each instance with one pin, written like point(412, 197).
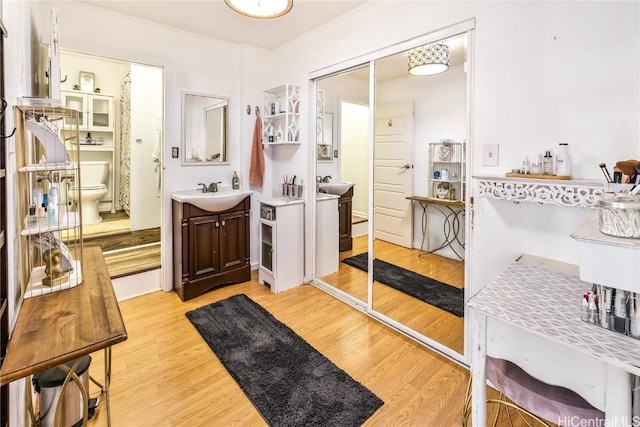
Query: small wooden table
point(56, 328)
point(451, 210)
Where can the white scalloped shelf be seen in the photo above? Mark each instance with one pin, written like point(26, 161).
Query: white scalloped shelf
point(569, 193)
point(35, 288)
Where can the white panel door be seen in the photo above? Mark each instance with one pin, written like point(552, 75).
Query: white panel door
point(393, 173)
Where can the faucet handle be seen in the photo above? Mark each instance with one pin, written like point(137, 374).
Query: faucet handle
point(204, 187)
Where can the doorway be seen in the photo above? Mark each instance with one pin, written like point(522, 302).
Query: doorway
point(122, 104)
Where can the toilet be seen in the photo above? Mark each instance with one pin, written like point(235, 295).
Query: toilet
point(93, 178)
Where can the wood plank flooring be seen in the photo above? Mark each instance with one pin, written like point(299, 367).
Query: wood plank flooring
point(166, 375)
point(126, 252)
point(442, 326)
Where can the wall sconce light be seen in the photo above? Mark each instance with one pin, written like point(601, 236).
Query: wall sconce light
point(429, 60)
point(263, 9)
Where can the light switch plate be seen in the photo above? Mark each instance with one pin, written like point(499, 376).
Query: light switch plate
point(490, 155)
point(174, 152)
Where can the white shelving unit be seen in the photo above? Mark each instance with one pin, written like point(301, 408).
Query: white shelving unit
point(47, 156)
point(281, 115)
point(96, 126)
point(447, 170)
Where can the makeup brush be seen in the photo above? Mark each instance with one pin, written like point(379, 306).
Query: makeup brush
point(605, 171)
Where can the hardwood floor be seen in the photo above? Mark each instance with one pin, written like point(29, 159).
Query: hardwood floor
point(166, 375)
point(126, 252)
point(442, 326)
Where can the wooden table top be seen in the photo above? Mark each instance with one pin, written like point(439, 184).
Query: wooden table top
point(435, 201)
point(55, 328)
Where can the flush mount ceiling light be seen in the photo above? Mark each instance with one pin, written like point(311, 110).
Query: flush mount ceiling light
point(263, 9)
point(429, 60)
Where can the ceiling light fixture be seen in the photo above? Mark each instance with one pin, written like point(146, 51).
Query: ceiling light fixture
point(262, 9)
point(429, 60)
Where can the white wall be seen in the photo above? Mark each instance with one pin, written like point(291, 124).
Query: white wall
point(353, 151)
point(146, 132)
point(537, 81)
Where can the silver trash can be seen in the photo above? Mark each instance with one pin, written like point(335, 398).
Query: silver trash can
point(49, 383)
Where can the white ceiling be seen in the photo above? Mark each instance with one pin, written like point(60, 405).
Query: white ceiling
point(214, 19)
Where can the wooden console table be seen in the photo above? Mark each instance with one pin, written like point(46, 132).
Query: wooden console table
point(58, 327)
point(451, 210)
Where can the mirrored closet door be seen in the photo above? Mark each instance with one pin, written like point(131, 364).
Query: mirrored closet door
point(342, 180)
point(414, 235)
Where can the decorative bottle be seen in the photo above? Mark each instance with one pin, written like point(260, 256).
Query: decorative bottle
point(235, 181)
point(563, 160)
point(547, 164)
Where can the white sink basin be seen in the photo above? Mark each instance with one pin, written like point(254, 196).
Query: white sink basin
point(212, 202)
point(337, 188)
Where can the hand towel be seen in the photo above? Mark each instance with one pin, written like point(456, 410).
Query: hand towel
point(256, 170)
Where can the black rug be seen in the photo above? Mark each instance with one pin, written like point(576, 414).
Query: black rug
point(289, 382)
point(441, 295)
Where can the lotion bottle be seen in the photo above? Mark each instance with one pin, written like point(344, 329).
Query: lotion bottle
point(563, 160)
point(235, 181)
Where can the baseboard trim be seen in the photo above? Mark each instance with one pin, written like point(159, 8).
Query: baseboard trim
point(134, 285)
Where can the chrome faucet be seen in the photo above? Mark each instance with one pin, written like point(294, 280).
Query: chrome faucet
point(326, 178)
point(213, 187)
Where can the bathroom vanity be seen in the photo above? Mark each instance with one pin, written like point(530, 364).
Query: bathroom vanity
point(345, 208)
point(211, 248)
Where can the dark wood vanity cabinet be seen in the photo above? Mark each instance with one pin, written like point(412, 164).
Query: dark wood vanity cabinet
point(209, 249)
point(345, 208)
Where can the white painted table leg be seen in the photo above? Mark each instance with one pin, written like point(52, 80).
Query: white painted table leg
point(618, 397)
point(479, 378)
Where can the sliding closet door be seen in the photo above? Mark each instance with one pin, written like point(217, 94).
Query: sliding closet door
point(4, 315)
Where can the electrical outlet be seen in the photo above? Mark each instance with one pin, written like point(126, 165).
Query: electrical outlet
point(490, 154)
point(174, 152)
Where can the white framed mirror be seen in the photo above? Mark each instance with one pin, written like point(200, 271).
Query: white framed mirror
point(204, 129)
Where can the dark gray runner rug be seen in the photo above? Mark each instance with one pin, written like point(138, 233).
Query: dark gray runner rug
point(426, 289)
point(289, 382)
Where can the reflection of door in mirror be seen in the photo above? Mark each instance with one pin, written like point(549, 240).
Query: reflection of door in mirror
point(204, 129)
point(215, 130)
point(325, 137)
point(336, 204)
point(439, 103)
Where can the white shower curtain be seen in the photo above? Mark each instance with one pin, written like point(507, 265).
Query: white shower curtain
point(125, 143)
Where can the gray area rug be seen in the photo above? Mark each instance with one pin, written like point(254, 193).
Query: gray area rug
point(289, 382)
point(426, 289)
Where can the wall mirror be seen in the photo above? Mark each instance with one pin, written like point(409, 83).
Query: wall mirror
point(204, 129)
point(325, 137)
point(388, 161)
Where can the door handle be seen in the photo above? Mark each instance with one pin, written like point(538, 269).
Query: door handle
point(407, 166)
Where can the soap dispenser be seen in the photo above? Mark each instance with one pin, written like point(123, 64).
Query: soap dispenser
point(235, 181)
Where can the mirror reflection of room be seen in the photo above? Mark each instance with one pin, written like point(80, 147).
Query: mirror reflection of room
point(204, 129)
point(418, 248)
point(343, 182)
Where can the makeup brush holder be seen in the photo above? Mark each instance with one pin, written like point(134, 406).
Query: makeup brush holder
point(294, 191)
